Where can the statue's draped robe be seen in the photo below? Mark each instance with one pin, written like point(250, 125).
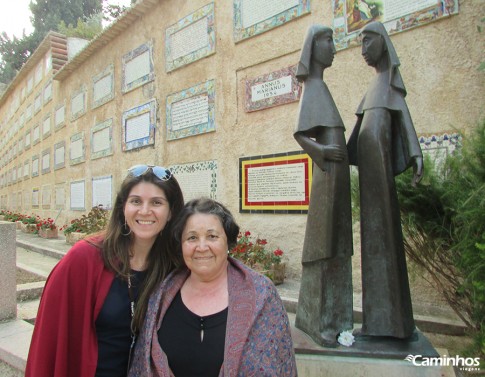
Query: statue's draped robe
point(325, 301)
point(382, 149)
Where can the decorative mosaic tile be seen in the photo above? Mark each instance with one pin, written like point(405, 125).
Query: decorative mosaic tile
point(138, 126)
point(46, 161)
point(440, 146)
point(198, 179)
point(77, 149)
point(263, 16)
point(47, 92)
point(349, 17)
point(78, 103)
point(273, 89)
point(190, 39)
point(59, 155)
point(275, 183)
point(60, 116)
point(137, 67)
point(191, 111)
point(103, 87)
point(102, 139)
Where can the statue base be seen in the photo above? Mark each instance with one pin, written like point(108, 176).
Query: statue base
point(369, 356)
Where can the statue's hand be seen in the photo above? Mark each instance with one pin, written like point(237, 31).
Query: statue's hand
point(418, 171)
point(334, 152)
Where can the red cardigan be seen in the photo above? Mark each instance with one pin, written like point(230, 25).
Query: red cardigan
point(64, 340)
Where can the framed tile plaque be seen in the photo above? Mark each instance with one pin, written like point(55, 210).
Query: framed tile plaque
point(137, 67)
point(191, 111)
point(253, 17)
point(278, 183)
point(190, 39)
point(138, 126)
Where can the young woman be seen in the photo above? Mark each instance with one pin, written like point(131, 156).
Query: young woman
point(95, 298)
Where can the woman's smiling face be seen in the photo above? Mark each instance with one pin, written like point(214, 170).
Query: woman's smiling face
point(204, 246)
point(146, 211)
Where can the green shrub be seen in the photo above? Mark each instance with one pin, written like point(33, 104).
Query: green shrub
point(444, 226)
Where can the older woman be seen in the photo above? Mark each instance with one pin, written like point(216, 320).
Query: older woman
point(383, 144)
point(95, 298)
point(216, 317)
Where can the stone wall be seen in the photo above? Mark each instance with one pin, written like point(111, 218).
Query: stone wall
point(439, 64)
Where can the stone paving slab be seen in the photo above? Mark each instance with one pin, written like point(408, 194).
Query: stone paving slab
point(15, 339)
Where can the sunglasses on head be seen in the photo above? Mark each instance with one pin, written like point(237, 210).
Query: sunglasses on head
point(160, 172)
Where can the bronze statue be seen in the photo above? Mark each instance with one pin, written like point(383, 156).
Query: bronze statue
point(383, 144)
point(325, 301)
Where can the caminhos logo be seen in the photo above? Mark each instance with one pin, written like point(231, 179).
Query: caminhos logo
point(464, 363)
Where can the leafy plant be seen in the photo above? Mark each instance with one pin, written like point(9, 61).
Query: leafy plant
point(46, 224)
point(30, 219)
point(253, 252)
point(13, 216)
point(93, 222)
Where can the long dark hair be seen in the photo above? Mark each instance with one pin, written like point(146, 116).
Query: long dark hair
point(209, 207)
point(162, 259)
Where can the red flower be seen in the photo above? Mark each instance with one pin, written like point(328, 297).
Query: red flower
point(247, 233)
point(278, 252)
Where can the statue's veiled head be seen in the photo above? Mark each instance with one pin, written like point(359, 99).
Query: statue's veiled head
point(377, 45)
point(317, 46)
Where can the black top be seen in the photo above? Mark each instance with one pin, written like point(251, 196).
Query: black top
point(113, 327)
point(194, 345)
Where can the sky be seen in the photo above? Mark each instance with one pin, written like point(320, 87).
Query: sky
point(15, 16)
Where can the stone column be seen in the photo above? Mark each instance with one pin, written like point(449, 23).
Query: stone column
point(8, 271)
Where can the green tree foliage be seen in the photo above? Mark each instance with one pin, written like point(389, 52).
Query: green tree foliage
point(14, 53)
point(48, 14)
point(87, 29)
point(444, 227)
